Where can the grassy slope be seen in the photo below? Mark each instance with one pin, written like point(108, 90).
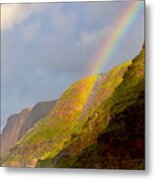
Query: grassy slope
point(66, 120)
point(39, 111)
point(120, 144)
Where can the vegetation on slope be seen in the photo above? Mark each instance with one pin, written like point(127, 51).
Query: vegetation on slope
point(67, 120)
point(39, 111)
point(120, 143)
point(18, 124)
point(12, 129)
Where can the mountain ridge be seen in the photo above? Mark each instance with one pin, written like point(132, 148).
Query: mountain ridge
point(120, 145)
point(10, 132)
point(18, 124)
point(72, 131)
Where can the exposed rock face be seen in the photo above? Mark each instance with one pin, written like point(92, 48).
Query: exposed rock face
point(143, 47)
point(11, 131)
point(38, 112)
point(18, 124)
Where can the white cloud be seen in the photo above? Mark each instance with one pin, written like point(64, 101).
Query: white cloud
point(13, 14)
point(93, 38)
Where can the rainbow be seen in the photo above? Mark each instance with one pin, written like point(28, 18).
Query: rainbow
point(109, 46)
point(120, 29)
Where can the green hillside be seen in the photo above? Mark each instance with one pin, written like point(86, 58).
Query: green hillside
point(119, 144)
point(72, 134)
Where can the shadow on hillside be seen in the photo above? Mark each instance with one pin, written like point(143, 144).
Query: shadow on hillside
point(147, 130)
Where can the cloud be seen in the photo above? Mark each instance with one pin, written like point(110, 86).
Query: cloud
point(30, 33)
point(93, 38)
point(13, 14)
point(52, 47)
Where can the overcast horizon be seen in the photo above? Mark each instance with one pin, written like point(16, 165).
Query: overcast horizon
point(48, 46)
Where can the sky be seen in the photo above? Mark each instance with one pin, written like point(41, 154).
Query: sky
point(48, 46)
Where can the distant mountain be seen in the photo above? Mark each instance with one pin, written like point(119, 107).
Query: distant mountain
point(38, 112)
point(17, 125)
point(66, 121)
point(11, 131)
